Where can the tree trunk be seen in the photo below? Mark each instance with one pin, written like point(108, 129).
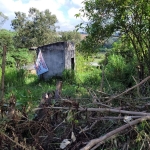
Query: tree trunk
point(58, 90)
point(3, 73)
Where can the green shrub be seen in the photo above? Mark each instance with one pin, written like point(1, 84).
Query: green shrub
point(118, 70)
point(92, 77)
point(69, 76)
point(82, 63)
point(14, 77)
point(118, 73)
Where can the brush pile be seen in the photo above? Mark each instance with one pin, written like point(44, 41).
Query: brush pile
point(106, 122)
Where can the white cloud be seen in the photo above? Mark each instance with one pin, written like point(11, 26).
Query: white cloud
point(78, 2)
point(72, 12)
point(11, 6)
point(8, 7)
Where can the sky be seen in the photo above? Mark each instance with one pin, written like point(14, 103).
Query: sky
point(64, 10)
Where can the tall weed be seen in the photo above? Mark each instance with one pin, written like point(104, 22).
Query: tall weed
point(92, 78)
point(14, 77)
point(69, 76)
point(119, 71)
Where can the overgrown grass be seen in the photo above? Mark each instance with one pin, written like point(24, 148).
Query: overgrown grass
point(29, 89)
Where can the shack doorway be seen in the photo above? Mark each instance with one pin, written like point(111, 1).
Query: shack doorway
point(72, 63)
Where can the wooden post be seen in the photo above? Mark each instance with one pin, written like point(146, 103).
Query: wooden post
point(58, 90)
point(102, 79)
point(3, 73)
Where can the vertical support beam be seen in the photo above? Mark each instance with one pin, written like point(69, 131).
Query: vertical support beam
point(58, 90)
point(3, 73)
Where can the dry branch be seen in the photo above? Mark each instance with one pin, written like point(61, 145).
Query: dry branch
point(58, 90)
point(98, 110)
point(88, 128)
point(113, 118)
point(95, 99)
point(18, 144)
point(112, 133)
point(102, 104)
point(103, 93)
point(102, 80)
point(114, 97)
point(138, 89)
point(3, 73)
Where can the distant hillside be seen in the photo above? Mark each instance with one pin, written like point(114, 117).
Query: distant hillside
point(83, 35)
point(109, 43)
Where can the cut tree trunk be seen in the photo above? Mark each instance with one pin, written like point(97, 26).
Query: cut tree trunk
point(58, 90)
point(3, 73)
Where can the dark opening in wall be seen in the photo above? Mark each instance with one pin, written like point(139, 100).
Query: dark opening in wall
point(72, 63)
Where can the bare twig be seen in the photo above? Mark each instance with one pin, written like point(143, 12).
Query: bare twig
point(143, 143)
point(95, 99)
point(98, 110)
point(22, 146)
point(108, 83)
point(143, 98)
point(94, 96)
point(86, 129)
point(112, 133)
point(102, 104)
point(82, 131)
point(114, 97)
point(102, 80)
point(103, 93)
point(113, 118)
point(138, 89)
point(59, 125)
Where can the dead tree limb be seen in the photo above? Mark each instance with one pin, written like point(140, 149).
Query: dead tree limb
point(3, 73)
point(103, 93)
point(58, 90)
point(97, 103)
point(88, 128)
point(99, 110)
point(114, 97)
point(14, 141)
point(96, 100)
point(113, 118)
point(102, 80)
point(138, 89)
point(101, 139)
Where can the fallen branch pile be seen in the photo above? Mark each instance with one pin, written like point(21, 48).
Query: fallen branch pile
point(59, 123)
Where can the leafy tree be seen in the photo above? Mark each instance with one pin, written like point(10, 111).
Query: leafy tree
point(3, 18)
point(16, 57)
point(70, 36)
point(35, 29)
point(120, 64)
point(129, 17)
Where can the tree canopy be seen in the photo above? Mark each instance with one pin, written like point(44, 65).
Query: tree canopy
point(16, 57)
point(70, 36)
point(3, 18)
point(35, 29)
point(130, 18)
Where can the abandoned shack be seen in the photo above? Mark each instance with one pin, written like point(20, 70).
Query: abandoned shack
point(58, 57)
